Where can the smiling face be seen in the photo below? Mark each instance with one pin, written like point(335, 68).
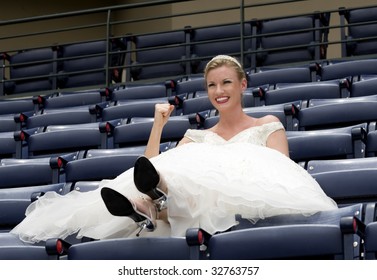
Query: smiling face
point(225, 87)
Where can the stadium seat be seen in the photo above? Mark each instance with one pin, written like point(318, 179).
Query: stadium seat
point(8, 147)
point(364, 87)
point(72, 99)
point(14, 106)
point(31, 70)
point(371, 241)
point(130, 109)
point(345, 142)
point(15, 200)
point(160, 55)
point(141, 91)
point(292, 39)
point(284, 112)
point(84, 63)
point(326, 113)
point(270, 77)
point(57, 140)
point(346, 180)
point(146, 248)
point(11, 248)
point(136, 134)
point(208, 42)
point(8, 124)
point(325, 235)
point(351, 69)
point(301, 91)
point(357, 25)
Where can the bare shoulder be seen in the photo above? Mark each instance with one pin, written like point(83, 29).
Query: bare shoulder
point(267, 119)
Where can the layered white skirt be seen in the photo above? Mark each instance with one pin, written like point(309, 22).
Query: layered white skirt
point(208, 185)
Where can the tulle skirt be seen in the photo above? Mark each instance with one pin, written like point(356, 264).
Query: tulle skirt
point(208, 185)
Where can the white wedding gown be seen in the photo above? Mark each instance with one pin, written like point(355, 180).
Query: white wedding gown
point(209, 181)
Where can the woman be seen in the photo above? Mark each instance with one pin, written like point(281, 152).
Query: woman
point(239, 166)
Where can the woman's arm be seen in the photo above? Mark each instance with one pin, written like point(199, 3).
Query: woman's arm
point(161, 117)
point(278, 141)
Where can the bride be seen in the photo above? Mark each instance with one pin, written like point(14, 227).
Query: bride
point(239, 166)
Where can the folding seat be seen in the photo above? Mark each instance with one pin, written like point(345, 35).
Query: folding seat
point(160, 55)
point(324, 235)
point(347, 181)
point(286, 113)
point(31, 71)
point(96, 168)
point(14, 106)
point(292, 39)
point(364, 87)
point(357, 34)
point(371, 148)
point(326, 113)
point(351, 69)
point(11, 248)
point(7, 123)
point(344, 142)
point(371, 241)
point(130, 109)
point(141, 91)
point(146, 248)
point(85, 63)
point(61, 139)
point(72, 99)
point(188, 87)
point(301, 91)
point(270, 77)
point(26, 172)
point(208, 42)
point(15, 200)
point(8, 147)
point(136, 134)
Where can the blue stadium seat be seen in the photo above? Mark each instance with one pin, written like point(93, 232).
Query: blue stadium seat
point(8, 147)
point(325, 235)
point(7, 123)
point(136, 134)
point(364, 87)
point(325, 113)
point(157, 248)
point(14, 106)
point(160, 55)
point(83, 64)
point(356, 26)
point(302, 91)
point(11, 248)
point(208, 42)
point(31, 70)
point(371, 241)
point(270, 77)
point(346, 180)
point(141, 91)
point(351, 69)
point(345, 142)
point(130, 109)
point(62, 139)
point(15, 200)
point(292, 39)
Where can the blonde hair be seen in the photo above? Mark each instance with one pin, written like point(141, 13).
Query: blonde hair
point(221, 60)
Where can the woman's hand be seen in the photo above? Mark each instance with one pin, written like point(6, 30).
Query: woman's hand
point(162, 113)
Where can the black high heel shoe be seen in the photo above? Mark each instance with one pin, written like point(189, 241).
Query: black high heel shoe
point(119, 205)
point(148, 181)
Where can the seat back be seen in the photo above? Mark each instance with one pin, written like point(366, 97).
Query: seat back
point(208, 42)
point(361, 24)
point(160, 55)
